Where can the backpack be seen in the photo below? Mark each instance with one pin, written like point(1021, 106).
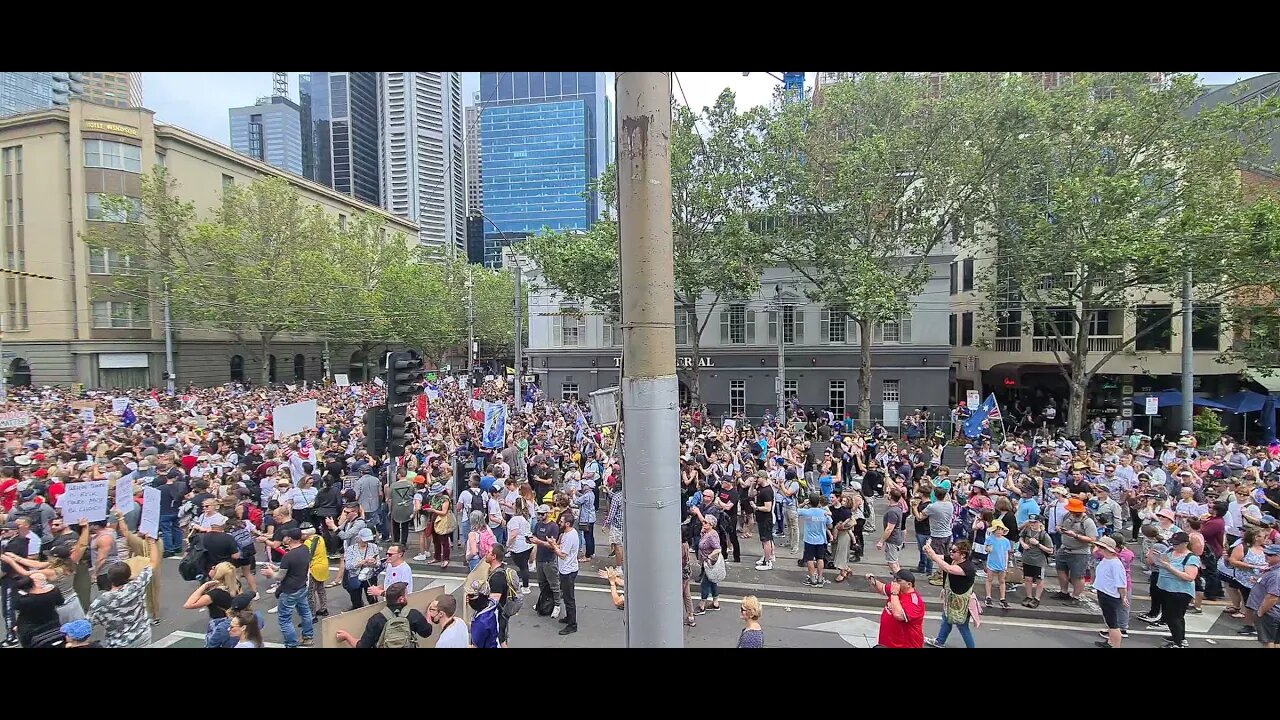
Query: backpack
point(478, 502)
point(401, 503)
point(514, 599)
point(396, 633)
point(195, 566)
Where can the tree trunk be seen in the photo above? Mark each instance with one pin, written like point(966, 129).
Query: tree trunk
point(695, 370)
point(864, 374)
point(365, 349)
point(1075, 405)
point(266, 359)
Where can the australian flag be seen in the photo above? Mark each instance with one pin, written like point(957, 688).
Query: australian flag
point(980, 421)
point(581, 423)
point(129, 417)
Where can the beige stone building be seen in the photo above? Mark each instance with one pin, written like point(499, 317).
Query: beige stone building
point(55, 165)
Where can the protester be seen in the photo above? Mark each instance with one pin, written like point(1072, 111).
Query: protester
point(121, 610)
point(453, 632)
point(394, 626)
point(957, 597)
point(752, 635)
point(1113, 592)
point(295, 569)
point(565, 547)
point(902, 621)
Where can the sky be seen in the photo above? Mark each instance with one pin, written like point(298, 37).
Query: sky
point(199, 101)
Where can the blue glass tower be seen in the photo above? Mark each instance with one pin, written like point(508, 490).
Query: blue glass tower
point(544, 138)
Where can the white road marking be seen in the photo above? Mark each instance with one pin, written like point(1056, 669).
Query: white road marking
point(177, 635)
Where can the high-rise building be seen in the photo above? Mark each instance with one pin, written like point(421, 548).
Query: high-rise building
point(344, 114)
point(114, 89)
point(544, 139)
point(308, 129)
point(270, 131)
point(422, 155)
point(475, 183)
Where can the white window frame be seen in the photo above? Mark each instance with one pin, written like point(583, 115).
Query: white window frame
point(790, 389)
point(737, 396)
point(834, 387)
point(891, 391)
point(567, 329)
point(112, 155)
point(119, 315)
point(105, 261)
point(93, 206)
point(727, 317)
point(612, 330)
point(899, 329)
point(566, 393)
point(686, 327)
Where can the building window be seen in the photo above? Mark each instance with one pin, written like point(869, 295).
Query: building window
point(1206, 327)
point(227, 181)
point(299, 367)
point(237, 368)
point(569, 391)
point(891, 391)
point(104, 261)
point(968, 274)
point(97, 207)
point(120, 315)
point(113, 155)
point(686, 327)
point(835, 325)
point(790, 389)
point(612, 330)
point(737, 397)
point(951, 330)
point(1154, 328)
point(342, 221)
point(835, 397)
point(568, 327)
point(792, 325)
point(955, 278)
point(966, 329)
point(737, 325)
point(255, 137)
point(895, 331)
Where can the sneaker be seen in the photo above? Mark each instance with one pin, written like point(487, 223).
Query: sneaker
point(273, 588)
point(257, 596)
point(307, 642)
point(420, 557)
point(822, 582)
point(564, 621)
point(1103, 634)
point(760, 562)
point(990, 602)
point(1247, 630)
point(699, 611)
point(525, 590)
point(1150, 620)
point(155, 621)
point(568, 629)
point(9, 642)
point(766, 566)
point(1195, 611)
point(1124, 633)
point(273, 610)
point(980, 574)
point(1101, 644)
point(1027, 602)
point(1059, 596)
point(808, 580)
point(1035, 603)
point(1004, 604)
point(1072, 602)
point(932, 643)
point(555, 612)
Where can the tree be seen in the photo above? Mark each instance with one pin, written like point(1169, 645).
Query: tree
point(862, 188)
point(494, 293)
point(422, 299)
point(1118, 190)
point(716, 256)
point(259, 265)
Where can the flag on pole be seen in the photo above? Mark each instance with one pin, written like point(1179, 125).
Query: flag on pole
point(129, 416)
point(422, 408)
point(980, 421)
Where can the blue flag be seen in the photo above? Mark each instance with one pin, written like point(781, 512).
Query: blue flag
point(495, 425)
point(981, 418)
point(581, 424)
point(129, 416)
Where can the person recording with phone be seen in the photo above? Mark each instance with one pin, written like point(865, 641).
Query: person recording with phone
point(902, 622)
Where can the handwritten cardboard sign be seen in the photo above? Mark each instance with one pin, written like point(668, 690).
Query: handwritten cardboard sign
point(84, 500)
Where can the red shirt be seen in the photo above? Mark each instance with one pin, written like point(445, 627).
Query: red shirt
point(8, 493)
point(55, 491)
point(897, 634)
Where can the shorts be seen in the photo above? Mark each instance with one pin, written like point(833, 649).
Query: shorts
point(940, 546)
point(1268, 629)
point(891, 553)
point(250, 561)
point(615, 536)
point(1074, 564)
point(1032, 572)
point(1111, 607)
point(764, 526)
point(814, 552)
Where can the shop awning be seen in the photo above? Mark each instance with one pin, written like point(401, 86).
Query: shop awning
point(1172, 398)
point(1245, 401)
point(1271, 381)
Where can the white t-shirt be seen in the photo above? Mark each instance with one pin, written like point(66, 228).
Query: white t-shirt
point(402, 573)
point(568, 546)
point(455, 635)
point(1109, 577)
point(33, 544)
point(204, 522)
point(517, 529)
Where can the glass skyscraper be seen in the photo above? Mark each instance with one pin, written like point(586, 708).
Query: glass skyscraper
point(544, 137)
point(269, 131)
point(344, 132)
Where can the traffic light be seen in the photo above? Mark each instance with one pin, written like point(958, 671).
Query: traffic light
point(405, 373)
point(375, 432)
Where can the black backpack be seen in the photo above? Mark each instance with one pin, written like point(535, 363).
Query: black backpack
point(479, 502)
point(195, 566)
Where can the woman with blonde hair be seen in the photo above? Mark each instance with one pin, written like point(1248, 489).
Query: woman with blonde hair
point(752, 635)
point(842, 522)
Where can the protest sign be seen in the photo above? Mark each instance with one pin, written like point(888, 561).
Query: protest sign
point(119, 405)
point(87, 415)
point(730, 424)
point(152, 403)
point(124, 493)
point(84, 500)
point(379, 382)
point(341, 380)
point(12, 420)
point(149, 524)
point(292, 419)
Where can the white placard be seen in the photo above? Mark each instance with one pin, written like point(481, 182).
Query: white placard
point(149, 524)
point(290, 388)
point(152, 403)
point(84, 500)
point(294, 418)
point(119, 405)
point(340, 379)
point(87, 415)
point(730, 424)
point(973, 398)
point(477, 405)
point(1153, 405)
point(124, 493)
point(528, 408)
point(379, 382)
point(14, 420)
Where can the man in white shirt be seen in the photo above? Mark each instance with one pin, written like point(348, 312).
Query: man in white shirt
point(398, 571)
point(453, 632)
point(1110, 583)
point(566, 550)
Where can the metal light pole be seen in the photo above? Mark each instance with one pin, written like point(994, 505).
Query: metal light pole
point(782, 360)
point(650, 393)
point(471, 323)
point(170, 382)
point(519, 320)
point(1188, 356)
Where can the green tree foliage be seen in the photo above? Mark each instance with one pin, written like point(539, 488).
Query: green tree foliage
point(1118, 188)
point(716, 256)
point(862, 188)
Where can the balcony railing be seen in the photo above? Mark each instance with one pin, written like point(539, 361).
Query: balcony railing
point(1010, 344)
point(1096, 343)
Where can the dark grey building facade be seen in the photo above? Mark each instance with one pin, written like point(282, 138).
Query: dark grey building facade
point(341, 125)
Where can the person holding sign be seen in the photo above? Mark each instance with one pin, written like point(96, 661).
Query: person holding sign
point(121, 610)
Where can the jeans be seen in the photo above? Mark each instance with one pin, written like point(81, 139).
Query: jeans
point(170, 534)
point(588, 533)
point(548, 586)
point(288, 601)
point(1173, 610)
point(464, 526)
point(500, 534)
point(922, 540)
point(570, 602)
point(708, 589)
point(965, 633)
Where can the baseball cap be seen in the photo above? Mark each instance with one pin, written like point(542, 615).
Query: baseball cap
point(1180, 538)
point(905, 575)
point(78, 630)
point(544, 510)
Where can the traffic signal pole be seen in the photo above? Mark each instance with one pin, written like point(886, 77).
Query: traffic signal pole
point(650, 394)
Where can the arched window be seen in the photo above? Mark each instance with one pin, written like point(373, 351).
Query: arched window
point(237, 368)
point(19, 373)
point(271, 369)
point(299, 366)
point(355, 373)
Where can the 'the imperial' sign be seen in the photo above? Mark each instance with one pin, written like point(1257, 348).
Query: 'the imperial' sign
point(680, 361)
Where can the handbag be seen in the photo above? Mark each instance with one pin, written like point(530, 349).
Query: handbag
point(716, 571)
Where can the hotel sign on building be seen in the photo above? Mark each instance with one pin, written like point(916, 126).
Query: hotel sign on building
point(110, 127)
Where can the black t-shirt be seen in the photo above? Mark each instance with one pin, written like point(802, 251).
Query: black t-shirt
point(373, 629)
point(960, 584)
point(18, 546)
point(922, 526)
point(277, 534)
point(221, 601)
point(219, 545)
point(546, 531)
point(839, 514)
point(197, 501)
point(764, 494)
point(728, 494)
point(37, 611)
point(1075, 488)
point(170, 498)
point(498, 581)
point(296, 565)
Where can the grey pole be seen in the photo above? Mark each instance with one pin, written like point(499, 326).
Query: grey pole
point(650, 394)
point(1188, 356)
point(471, 323)
point(170, 384)
point(515, 385)
point(782, 360)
